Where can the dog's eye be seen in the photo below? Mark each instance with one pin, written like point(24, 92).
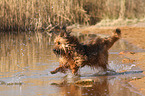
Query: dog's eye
point(58, 43)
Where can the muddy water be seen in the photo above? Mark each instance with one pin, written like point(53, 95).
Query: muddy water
point(26, 59)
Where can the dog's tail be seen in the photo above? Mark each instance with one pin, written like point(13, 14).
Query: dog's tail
point(112, 39)
point(117, 33)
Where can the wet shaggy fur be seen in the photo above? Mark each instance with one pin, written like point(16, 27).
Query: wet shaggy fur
point(74, 55)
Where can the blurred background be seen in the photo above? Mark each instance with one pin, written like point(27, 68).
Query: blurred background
point(42, 14)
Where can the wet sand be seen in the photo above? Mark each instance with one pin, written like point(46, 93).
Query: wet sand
point(135, 36)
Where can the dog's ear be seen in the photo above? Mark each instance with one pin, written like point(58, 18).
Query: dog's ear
point(64, 32)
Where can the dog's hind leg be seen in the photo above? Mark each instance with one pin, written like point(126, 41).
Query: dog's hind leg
point(75, 71)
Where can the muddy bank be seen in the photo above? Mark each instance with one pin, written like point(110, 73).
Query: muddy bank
point(135, 36)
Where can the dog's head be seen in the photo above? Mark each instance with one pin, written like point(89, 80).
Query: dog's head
point(64, 43)
point(60, 45)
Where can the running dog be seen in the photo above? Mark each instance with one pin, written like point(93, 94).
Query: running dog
point(74, 55)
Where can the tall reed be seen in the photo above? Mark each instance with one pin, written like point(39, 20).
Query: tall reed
point(39, 14)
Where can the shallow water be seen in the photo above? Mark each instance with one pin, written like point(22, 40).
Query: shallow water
point(26, 59)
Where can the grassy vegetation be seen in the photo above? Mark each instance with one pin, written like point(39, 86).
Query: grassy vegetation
point(42, 14)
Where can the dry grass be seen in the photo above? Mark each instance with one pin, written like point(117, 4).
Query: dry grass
point(39, 14)
point(34, 14)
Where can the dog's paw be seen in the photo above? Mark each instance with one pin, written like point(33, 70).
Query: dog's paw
point(53, 72)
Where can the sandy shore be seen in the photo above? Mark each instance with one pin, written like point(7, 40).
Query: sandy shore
point(135, 36)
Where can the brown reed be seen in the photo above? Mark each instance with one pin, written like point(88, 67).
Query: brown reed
point(39, 14)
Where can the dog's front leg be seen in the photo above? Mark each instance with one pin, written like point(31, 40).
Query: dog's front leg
point(58, 69)
point(62, 68)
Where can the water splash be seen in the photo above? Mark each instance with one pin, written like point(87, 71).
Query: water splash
point(11, 81)
point(120, 67)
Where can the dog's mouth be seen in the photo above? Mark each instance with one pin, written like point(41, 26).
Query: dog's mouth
point(58, 51)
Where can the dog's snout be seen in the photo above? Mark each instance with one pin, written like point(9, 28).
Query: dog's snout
point(54, 50)
point(57, 51)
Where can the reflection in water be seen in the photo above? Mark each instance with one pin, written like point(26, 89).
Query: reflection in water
point(98, 88)
point(26, 59)
point(24, 52)
point(103, 86)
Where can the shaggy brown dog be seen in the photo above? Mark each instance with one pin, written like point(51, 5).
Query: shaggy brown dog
point(74, 55)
